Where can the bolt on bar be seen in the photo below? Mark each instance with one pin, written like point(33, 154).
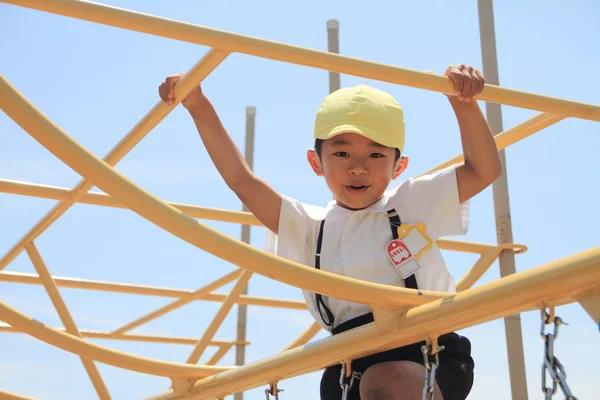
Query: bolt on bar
point(200, 71)
point(232, 42)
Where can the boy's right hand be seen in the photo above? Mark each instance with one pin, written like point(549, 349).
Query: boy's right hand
point(166, 91)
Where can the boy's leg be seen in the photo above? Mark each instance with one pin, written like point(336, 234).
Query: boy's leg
point(395, 380)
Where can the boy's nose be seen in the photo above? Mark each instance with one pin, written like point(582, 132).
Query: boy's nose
point(357, 169)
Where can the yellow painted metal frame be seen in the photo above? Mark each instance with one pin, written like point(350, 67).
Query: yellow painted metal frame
point(402, 316)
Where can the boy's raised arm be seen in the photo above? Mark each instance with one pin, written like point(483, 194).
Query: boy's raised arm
point(261, 199)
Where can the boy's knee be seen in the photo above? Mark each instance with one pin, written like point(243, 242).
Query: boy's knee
point(392, 380)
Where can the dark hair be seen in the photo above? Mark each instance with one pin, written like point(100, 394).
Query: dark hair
point(319, 145)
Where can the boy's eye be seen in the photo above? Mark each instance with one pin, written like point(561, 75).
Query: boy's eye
point(377, 155)
point(341, 154)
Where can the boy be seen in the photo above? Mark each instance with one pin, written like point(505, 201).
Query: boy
point(359, 140)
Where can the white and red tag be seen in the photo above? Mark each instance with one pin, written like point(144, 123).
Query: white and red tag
point(402, 258)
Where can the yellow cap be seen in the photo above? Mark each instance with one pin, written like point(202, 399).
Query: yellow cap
point(364, 110)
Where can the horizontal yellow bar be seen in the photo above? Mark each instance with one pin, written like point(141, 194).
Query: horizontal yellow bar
point(136, 338)
point(201, 70)
point(101, 199)
point(76, 283)
point(121, 18)
point(102, 354)
point(215, 214)
point(509, 295)
point(192, 231)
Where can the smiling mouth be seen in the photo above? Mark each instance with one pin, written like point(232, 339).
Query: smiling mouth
point(357, 188)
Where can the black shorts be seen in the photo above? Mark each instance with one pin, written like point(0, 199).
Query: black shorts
point(454, 375)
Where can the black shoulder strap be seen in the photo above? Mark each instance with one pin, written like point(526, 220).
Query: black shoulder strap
point(320, 303)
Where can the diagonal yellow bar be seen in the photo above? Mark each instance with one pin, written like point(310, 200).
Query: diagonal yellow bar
point(13, 396)
point(174, 221)
point(219, 317)
point(224, 280)
point(304, 337)
point(510, 295)
point(121, 18)
point(65, 317)
point(102, 354)
point(200, 71)
point(510, 136)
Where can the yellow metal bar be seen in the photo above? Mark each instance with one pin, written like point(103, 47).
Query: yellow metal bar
point(224, 280)
point(65, 317)
point(200, 71)
point(510, 136)
point(304, 337)
point(179, 224)
point(481, 266)
point(101, 199)
point(232, 42)
point(13, 396)
point(75, 283)
point(132, 338)
point(102, 354)
point(219, 354)
point(510, 295)
point(219, 317)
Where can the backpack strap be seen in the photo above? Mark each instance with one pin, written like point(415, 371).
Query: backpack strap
point(395, 222)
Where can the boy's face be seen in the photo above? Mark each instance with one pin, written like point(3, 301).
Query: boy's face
point(356, 169)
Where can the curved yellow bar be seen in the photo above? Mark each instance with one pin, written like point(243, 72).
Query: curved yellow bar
point(102, 354)
point(185, 227)
point(164, 27)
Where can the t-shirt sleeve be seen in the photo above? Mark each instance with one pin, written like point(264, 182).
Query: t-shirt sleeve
point(295, 232)
point(434, 198)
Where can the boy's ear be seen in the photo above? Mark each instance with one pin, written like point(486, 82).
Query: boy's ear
point(314, 162)
point(400, 166)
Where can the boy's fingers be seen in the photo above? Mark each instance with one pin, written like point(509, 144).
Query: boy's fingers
point(481, 81)
point(457, 78)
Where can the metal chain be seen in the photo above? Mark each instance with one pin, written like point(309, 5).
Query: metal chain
point(551, 364)
point(346, 386)
point(273, 391)
point(430, 370)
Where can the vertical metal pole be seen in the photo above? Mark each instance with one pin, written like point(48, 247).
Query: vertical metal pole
point(512, 324)
point(333, 46)
point(240, 349)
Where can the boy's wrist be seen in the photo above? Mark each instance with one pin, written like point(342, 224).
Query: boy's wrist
point(460, 106)
point(198, 106)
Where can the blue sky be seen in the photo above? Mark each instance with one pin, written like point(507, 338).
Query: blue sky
point(96, 82)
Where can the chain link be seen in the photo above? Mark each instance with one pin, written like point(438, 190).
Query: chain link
point(346, 386)
point(430, 370)
point(551, 365)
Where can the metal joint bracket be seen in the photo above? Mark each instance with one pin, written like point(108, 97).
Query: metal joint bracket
point(388, 318)
point(182, 386)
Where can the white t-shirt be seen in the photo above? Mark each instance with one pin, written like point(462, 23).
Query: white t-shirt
point(354, 242)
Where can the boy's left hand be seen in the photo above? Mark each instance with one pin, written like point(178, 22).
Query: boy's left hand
point(468, 81)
